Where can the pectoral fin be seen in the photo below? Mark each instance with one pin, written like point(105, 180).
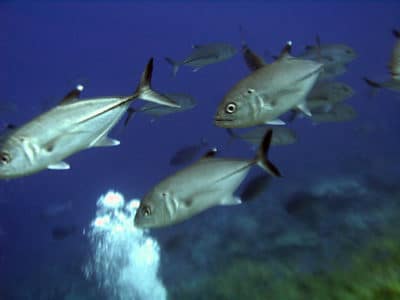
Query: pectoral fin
point(231, 200)
point(304, 109)
point(62, 165)
point(106, 142)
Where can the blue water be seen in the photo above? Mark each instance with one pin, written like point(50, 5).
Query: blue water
point(46, 49)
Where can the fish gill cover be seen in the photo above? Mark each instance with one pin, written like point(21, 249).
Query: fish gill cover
point(125, 259)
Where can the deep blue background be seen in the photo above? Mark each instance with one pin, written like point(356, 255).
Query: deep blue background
point(46, 49)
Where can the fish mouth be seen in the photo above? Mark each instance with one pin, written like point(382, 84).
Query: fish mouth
point(224, 123)
point(218, 120)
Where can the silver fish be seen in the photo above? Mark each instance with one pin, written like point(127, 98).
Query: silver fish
point(329, 53)
point(71, 126)
point(208, 182)
point(394, 68)
point(282, 135)
point(267, 93)
point(327, 93)
point(335, 57)
point(340, 112)
point(203, 55)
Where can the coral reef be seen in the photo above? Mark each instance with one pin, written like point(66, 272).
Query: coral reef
point(371, 273)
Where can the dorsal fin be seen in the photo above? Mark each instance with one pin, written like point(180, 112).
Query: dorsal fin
point(285, 52)
point(210, 153)
point(73, 95)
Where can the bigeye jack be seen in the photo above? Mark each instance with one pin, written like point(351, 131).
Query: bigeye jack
point(268, 92)
point(70, 127)
point(209, 182)
point(203, 55)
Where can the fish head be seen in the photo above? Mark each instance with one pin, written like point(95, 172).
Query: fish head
point(230, 51)
point(348, 54)
point(235, 110)
point(13, 161)
point(339, 53)
point(152, 211)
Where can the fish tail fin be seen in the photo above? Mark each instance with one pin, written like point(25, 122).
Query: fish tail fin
point(262, 155)
point(174, 64)
point(145, 92)
point(372, 83)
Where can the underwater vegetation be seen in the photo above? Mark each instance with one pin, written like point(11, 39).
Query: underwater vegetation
point(369, 271)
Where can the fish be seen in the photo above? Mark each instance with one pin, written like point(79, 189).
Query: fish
point(282, 135)
point(394, 68)
point(62, 232)
point(267, 93)
point(255, 187)
point(209, 182)
point(335, 57)
point(185, 102)
point(327, 93)
point(187, 154)
point(329, 54)
point(203, 55)
point(69, 127)
point(341, 112)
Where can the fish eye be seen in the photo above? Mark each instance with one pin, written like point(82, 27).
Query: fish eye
point(5, 158)
point(250, 91)
point(146, 210)
point(230, 108)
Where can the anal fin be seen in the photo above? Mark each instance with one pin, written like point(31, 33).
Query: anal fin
point(62, 165)
point(275, 122)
